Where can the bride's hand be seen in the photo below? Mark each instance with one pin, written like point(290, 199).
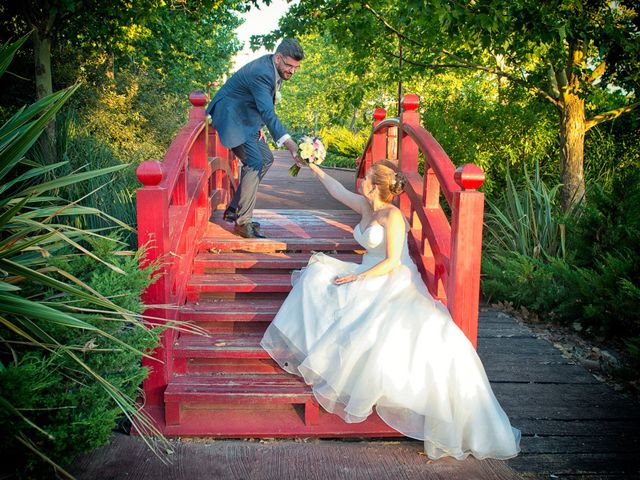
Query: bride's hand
point(346, 279)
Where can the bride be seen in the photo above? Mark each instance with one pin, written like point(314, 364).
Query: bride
point(371, 335)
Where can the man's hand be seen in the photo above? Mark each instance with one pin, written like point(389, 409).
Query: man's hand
point(292, 147)
point(293, 150)
point(262, 135)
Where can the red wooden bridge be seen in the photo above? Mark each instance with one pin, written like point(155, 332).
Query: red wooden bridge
point(222, 383)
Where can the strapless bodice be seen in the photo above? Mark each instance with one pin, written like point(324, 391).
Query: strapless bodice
point(374, 240)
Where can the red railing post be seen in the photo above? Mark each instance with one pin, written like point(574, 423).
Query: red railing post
point(379, 146)
point(408, 149)
point(152, 204)
point(463, 289)
point(198, 152)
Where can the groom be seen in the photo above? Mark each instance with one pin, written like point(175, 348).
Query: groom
point(239, 110)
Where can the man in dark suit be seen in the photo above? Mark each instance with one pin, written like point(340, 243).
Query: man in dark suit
point(239, 110)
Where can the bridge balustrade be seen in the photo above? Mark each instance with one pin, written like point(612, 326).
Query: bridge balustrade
point(448, 253)
point(174, 206)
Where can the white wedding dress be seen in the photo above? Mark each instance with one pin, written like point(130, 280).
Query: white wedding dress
point(384, 342)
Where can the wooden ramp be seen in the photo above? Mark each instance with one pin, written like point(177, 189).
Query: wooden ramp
point(225, 384)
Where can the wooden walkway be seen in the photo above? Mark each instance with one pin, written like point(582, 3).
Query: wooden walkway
point(573, 426)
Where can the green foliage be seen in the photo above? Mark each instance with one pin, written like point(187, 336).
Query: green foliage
point(596, 288)
point(328, 90)
point(185, 48)
point(569, 54)
point(342, 141)
point(527, 220)
point(610, 222)
point(339, 161)
point(602, 300)
point(71, 339)
point(476, 122)
point(520, 39)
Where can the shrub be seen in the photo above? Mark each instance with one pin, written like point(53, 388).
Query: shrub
point(340, 140)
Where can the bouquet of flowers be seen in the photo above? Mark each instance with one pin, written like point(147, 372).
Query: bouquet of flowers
point(311, 150)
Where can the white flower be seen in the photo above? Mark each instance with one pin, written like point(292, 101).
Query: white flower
point(312, 150)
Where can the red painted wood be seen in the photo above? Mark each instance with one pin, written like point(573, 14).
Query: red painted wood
point(463, 290)
point(379, 146)
point(311, 412)
point(256, 388)
point(237, 283)
point(239, 390)
point(234, 243)
point(271, 421)
point(215, 366)
point(252, 310)
point(172, 211)
point(243, 260)
point(246, 394)
point(219, 345)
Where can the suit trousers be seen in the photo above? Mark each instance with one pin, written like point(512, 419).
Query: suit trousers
point(256, 160)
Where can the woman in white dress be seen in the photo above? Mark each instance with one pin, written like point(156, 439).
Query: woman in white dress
point(371, 335)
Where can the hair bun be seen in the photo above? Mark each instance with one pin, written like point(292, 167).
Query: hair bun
point(398, 184)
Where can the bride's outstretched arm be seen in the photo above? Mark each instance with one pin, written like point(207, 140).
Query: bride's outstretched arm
point(395, 231)
point(338, 191)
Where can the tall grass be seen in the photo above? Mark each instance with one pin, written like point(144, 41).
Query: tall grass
point(527, 219)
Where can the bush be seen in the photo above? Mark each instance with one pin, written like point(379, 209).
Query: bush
point(72, 407)
point(596, 287)
point(601, 301)
point(341, 141)
point(527, 219)
point(70, 354)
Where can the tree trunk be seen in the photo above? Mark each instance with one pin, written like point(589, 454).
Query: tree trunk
point(44, 87)
point(572, 130)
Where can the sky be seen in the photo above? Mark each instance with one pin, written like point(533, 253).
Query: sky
point(258, 22)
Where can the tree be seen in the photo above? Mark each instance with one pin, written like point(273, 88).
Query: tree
point(74, 20)
point(92, 25)
point(561, 51)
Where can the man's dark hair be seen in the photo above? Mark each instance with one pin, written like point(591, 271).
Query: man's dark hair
point(289, 47)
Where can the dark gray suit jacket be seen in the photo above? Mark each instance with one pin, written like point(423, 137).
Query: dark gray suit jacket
point(246, 102)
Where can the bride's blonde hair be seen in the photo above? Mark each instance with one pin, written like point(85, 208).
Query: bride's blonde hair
point(390, 182)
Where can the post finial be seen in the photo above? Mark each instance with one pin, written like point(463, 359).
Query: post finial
point(469, 176)
point(379, 114)
point(410, 102)
point(150, 173)
point(198, 98)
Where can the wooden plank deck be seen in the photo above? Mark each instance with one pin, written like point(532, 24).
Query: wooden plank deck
point(574, 427)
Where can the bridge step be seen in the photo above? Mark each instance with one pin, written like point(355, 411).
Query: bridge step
point(241, 405)
point(219, 345)
point(225, 384)
point(231, 244)
point(236, 389)
point(242, 261)
point(245, 310)
point(233, 283)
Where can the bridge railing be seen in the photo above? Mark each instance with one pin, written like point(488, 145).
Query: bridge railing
point(174, 206)
point(448, 254)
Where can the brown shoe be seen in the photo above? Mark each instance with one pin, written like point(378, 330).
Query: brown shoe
point(247, 231)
